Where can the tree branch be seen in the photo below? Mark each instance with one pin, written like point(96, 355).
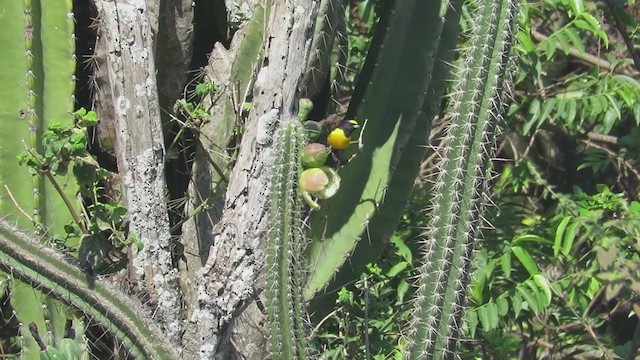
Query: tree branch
point(586, 57)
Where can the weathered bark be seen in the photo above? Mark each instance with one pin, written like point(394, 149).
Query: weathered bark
point(233, 70)
point(131, 88)
point(229, 285)
point(171, 23)
point(224, 299)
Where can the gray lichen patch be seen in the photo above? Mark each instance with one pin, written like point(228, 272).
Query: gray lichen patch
point(266, 125)
point(122, 105)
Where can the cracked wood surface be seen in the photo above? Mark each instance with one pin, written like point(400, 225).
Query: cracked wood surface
point(230, 285)
point(125, 31)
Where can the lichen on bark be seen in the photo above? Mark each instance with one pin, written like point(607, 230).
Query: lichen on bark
point(230, 290)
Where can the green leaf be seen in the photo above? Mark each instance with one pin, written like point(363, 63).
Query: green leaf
point(525, 40)
point(573, 110)
point(516, 303)
point(134, 239)
point(397, 268)
point(564, 42)
point(581, 24)
point(595, 28)
point(624, 79)
point(503, 304)
point(557, 244)
point(402, 249)
point(548, 106)
point(401, 291)
point(575, 38)
point(577, 7)
point(118, 215)
point(505, 263)
point(472, 322)
point(488, 316)
point(543, 284)
point(530, 238)
point(609, 120)
point(569, 238)
point(550, 47)
point(530, 298)
point(525, 259)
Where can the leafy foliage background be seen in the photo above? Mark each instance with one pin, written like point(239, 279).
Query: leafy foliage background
point(558, 274)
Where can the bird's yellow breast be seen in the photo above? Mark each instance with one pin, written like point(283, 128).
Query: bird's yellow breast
point(338, 140)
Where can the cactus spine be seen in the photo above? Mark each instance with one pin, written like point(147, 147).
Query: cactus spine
point(458, 192)
point(284, 275)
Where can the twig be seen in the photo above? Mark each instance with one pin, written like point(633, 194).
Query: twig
point(15, 203)
point(602, 138)
point(59, 190)
point(324, 319)
point(591, 59)
point(67, 202)
point(584, 322)
point(614, 155)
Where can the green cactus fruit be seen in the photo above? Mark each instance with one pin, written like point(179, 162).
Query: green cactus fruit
point(306, 106)
point(322, 182)
point(314, 180)
point(314, 155)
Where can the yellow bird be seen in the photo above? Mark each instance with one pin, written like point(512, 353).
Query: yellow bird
point(340, 137)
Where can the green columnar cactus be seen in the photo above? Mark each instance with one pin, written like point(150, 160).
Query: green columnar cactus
point(13, 107)
point(284, 276)
point(45, 270)
point(389, 97)
point(330, 15)
point(454, 230)
point(49, 316)
point(37, 87)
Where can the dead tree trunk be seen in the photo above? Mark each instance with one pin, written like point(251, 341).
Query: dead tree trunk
point(222, 316)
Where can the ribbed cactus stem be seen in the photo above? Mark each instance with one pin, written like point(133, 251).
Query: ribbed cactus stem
point(31, 111)
point(284, 272)
point(49, 84)
point(329, 17)
point(458, 192)
point(45, 270)
point(59, 61)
